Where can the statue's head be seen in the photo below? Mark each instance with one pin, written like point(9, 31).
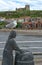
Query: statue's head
point(12, 35)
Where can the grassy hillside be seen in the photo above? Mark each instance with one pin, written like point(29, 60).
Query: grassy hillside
point(15, 14)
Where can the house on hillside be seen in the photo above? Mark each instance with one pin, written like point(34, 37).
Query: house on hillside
point(32, 23)
point(2, 19)
point(37, 22)
point(27, 25)
point(24, 19)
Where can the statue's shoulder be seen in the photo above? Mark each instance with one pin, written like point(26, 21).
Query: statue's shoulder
point(12, 40)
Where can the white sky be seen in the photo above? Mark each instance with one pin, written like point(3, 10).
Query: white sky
point(6, 5)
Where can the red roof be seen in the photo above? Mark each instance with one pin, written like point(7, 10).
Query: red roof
point(27, 22)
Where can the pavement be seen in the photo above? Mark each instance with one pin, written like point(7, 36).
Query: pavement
point(0, 62)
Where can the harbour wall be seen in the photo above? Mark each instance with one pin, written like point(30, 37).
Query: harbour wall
point(23, 32)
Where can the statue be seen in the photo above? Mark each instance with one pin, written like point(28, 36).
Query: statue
point(8, 50)
point(21, 58)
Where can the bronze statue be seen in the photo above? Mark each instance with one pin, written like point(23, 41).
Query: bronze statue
point(22, 57)
point(8, 50)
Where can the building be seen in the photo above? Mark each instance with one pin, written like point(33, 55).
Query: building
point(27, 7)
point(2, 19)
point(24, 19)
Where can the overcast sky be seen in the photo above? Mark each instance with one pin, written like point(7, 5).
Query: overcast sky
point(6, 5)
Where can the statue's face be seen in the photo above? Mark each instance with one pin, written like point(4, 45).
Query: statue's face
point(12, 34)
